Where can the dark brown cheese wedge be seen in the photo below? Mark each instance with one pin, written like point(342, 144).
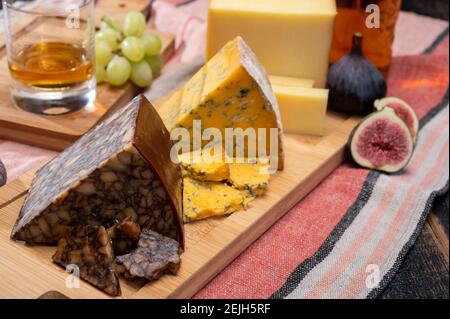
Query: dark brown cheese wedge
point(121, 168)
point(89, 248)
point(124, 236)
point(155, 256)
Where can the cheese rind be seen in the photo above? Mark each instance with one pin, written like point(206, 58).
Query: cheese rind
point(230, 91)
point(303, 110)
point(120, 168)
point(291, 38)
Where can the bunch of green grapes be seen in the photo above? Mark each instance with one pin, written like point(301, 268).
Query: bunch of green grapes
point(126, 53)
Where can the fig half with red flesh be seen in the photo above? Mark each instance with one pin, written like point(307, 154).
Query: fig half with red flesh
point(403, 110)
point(382, 141)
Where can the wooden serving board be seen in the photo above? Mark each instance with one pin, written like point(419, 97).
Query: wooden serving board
point(58, 132)
point(28, 272)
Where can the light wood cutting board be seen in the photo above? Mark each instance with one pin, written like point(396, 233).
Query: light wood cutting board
point(28, 272)
point(57, 133)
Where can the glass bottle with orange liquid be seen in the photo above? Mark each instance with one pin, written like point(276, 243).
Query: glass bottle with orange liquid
point(376, 20)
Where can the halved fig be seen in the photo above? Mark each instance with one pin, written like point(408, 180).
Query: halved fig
point(403, 110)
point(382, 142)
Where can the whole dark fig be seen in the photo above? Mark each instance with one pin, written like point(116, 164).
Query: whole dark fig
point(2, 174)
point(354, 82)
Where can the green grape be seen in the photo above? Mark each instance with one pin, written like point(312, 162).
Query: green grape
point(133, 49)
point(109, 36)
point(104, 25)
point(155, 63)
point(118, 71)
point(152, 44)
point(134, 24)
point(100, 73)
point(103, 53)
point(141, 74)
point(111, 22)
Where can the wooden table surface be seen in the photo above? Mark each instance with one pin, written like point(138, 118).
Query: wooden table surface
point(425, 271)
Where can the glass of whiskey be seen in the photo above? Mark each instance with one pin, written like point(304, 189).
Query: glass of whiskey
point(50, 50)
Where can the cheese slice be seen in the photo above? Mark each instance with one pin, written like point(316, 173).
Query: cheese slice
point(250, 177)
point(290, 37)
point(207, 199)
point(221, 187)
point(245, 175)
point(288, 81)
point(303, 110)
point(230, 91)
point(216, 171)
point(207, 169)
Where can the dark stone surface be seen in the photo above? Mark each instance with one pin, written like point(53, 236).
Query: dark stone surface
point(433, 8)
point(441, 210)
point(424, 274)
point(425, 271)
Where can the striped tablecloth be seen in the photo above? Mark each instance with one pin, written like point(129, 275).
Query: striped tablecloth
point(349, 236)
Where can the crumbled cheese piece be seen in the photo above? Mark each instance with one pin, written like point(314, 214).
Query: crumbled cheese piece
point(206, 199)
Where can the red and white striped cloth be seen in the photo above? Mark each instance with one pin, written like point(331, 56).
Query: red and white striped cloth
point(357, 225)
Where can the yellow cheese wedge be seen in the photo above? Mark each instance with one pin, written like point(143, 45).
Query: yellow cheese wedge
point(207, 199)
point(230, 91)
point(252, 178)
point(303, 110)
point(290, 37)
point(288, 81)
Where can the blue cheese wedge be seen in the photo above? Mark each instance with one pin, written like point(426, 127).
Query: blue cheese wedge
point(231, 91)
point(208, 199)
